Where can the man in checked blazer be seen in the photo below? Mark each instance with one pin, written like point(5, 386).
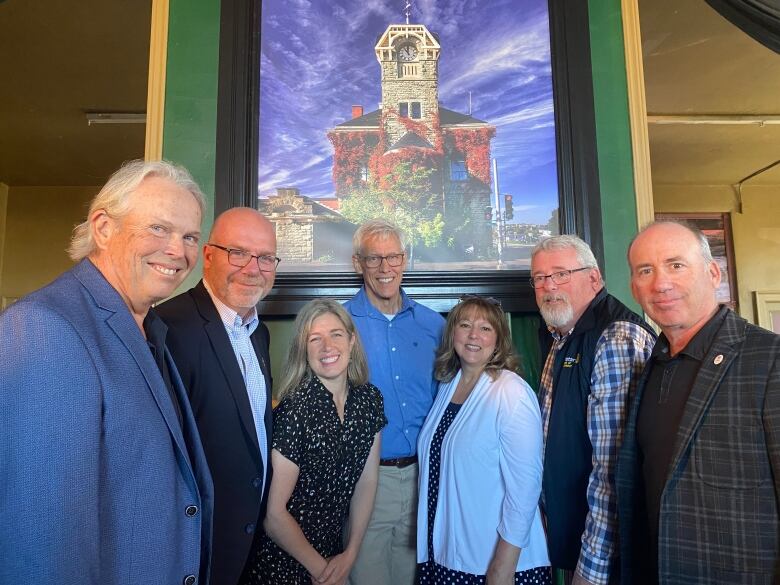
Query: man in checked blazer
point(699, 469)
point(220, 346)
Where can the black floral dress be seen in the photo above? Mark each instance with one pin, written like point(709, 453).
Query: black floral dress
point(330, 456)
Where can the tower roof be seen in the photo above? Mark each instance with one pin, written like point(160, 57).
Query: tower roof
point(447, 117)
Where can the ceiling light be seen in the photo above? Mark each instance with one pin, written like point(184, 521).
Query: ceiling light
point(115, 118)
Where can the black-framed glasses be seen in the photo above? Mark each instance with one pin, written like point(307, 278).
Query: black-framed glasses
point(472, 297)
point(559, 277)
point(373, 261)
point(240, 258)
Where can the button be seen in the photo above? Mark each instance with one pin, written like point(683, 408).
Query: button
point(191, 511)
point(398, 377)
point(189, 580)
point(257, 483)
point(249, 528)
point(392, 348)
point(403, 404)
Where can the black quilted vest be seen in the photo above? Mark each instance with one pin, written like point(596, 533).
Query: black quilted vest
point(568, 451)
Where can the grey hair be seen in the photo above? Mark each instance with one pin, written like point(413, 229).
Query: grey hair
point(564, 242)
point(376, 227)
point(297, 368)
point(115, 199)
point(704, 244)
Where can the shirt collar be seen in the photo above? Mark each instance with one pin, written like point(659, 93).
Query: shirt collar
point(230, 318)
point(363, 307)
point(699, 344)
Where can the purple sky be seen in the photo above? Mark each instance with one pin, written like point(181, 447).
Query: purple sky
point(317, 59)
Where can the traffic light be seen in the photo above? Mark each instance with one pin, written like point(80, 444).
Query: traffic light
point(488, 213)
point(509, 211)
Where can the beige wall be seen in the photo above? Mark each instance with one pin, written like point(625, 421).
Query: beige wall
point(756, 230)
point(38, 224)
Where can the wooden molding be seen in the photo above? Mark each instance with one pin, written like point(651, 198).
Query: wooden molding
point(637, 107)
point(155, 100)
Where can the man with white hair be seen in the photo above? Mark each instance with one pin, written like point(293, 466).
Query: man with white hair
point(401, 337)
point(595, 350)
point(103, 479)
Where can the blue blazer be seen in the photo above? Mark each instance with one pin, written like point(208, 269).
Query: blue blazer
point(99, 483)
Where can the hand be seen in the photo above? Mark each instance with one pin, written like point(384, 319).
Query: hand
point(336, 571)
point(579, 580)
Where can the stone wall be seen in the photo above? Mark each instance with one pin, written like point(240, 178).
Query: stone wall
point(294, 240)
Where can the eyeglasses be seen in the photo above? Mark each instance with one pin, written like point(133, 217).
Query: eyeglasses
point(240, 258)
point(376, 261)
point(471, 297)
point(560, 277)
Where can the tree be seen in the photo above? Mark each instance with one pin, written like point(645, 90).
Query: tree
point(406, 197)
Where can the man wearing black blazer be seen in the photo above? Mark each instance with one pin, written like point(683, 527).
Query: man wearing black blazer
point(221, 350)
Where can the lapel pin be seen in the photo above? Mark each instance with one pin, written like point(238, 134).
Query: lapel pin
point(718, 359)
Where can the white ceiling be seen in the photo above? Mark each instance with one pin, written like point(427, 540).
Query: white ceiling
point(697, 63)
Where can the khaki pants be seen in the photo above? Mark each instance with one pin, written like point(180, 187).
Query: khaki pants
point(388, 555)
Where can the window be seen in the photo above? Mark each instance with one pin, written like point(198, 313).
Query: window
point(403, 109)
point(364, 175)
point(416, 110)
point(458, 170)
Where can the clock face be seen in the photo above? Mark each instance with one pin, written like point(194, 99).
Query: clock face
point(407, 53)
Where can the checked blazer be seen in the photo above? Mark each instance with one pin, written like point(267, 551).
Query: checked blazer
point(719, 520)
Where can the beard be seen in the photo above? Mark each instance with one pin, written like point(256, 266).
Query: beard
point(559, 314)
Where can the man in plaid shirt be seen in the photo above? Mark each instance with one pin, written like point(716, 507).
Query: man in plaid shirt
point(595, 349)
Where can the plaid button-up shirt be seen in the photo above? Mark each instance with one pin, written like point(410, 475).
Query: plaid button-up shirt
point(621, 353)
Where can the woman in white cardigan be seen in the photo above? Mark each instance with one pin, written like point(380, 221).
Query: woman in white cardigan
point(480, 456)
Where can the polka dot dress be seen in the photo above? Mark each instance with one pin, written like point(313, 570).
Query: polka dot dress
point(430, 573)
point(330, 456)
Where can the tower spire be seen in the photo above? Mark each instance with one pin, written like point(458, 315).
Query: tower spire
point(408, 10)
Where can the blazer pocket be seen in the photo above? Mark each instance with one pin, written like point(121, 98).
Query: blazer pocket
point(731, 456)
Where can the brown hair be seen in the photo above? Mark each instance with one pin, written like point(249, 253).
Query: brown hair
point(504, 357)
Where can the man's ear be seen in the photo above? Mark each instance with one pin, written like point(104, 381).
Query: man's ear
point(715, 274)
point(356, 264)
point(595, 279)
point(102, 226)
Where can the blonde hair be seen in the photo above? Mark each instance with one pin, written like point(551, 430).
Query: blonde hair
point(115, 199)
point(503, 358)
point(297, 367)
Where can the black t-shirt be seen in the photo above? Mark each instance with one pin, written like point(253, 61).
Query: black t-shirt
point(665, 395)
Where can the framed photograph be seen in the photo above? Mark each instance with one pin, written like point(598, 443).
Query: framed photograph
point(453, 119)
point(717, 228)
point(768, 309)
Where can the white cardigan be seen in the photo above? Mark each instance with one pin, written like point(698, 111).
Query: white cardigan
point(490, 477)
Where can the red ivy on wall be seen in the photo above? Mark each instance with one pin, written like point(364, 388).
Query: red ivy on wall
point(354, 148)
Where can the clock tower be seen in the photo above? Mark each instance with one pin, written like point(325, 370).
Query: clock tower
point(408, 55)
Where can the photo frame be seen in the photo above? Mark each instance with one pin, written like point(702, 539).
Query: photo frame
point(768, 309)
point(717, 228)
point(577, 173)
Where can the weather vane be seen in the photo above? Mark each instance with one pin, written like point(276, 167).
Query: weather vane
point(407, 10)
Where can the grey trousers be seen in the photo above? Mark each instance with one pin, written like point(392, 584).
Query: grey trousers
point(388, 555)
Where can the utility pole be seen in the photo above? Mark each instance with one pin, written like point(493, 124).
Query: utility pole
point(499, 216)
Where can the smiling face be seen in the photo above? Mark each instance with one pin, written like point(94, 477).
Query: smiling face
point(562, 305)
point(672, 281)
point(474, 340)
point(328, 349)
point(148, 252)
point(239, 288)
point(383, 283)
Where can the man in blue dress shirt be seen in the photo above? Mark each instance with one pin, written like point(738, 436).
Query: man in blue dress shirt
point(401, 338)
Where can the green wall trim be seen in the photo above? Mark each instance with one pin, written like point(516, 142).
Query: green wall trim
point(613, 137)
point(190, 125)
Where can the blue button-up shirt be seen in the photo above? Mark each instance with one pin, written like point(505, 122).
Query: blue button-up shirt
point(400, 353)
